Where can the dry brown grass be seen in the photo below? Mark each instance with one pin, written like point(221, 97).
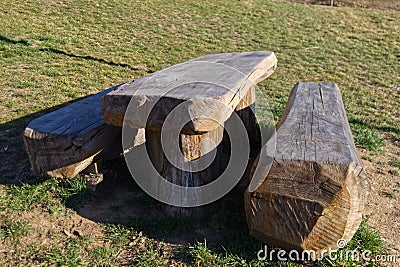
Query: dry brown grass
point(377, 4)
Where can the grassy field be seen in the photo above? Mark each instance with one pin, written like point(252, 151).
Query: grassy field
point(53, 52)
point(381, 4)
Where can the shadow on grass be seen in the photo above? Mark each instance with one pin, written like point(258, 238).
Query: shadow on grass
point(387, 129)
point(7, 40)
point(100, 60)
point(15, 167)
point(61, 52)
point(131, 209)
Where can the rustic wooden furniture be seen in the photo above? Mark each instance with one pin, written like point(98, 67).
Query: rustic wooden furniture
point(207, 90)
point(64, 142)
point(313, 194)
point(308, 184)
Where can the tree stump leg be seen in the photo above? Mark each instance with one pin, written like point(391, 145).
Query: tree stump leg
point(191, 148)
point(246, 111)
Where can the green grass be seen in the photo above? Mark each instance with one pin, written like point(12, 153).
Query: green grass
point(368, 139)
point(52, 52)
point(141, 242)
point(43, 192)
point(395, 163)
point(355, 48)
point(68, 255)
point(381, 4)
point(119, 235)
point(14, 230)
point(104, 256)
point(366, 238)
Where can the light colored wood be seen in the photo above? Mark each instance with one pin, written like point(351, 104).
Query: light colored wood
point(211, 86)
point(314, 193)
point(68, 171)
point(64, 142)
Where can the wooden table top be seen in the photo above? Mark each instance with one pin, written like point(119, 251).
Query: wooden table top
point(209, 88)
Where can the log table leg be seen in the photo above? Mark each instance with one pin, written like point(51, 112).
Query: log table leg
point(192, 147)
point(200, 145)
point(246, 111)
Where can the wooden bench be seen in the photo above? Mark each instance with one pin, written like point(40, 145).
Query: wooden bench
point(309, 193)
point(66, 141)
point(209, 88)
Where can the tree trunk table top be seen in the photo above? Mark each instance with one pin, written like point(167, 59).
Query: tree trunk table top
point(209, 88)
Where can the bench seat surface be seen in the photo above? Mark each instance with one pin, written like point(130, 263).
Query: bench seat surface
point(68, 136)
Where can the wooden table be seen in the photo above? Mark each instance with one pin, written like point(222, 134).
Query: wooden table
point(193, 99)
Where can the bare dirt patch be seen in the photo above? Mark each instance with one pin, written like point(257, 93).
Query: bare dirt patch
point(46, 232)
point(383, 205)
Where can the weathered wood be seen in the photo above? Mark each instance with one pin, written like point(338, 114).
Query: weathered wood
point(314, 192)
point(192, 147)
point(64, 142)
point(211, 87)
point(246, 111)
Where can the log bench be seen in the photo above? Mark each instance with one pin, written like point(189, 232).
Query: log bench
point(309, 193)
point(64, 142)
point(190, 102)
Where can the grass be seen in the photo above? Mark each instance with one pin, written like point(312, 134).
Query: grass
point(395, 163)
point(53, 52)
point(368, 139)
point(366, 238)
point(381, 4)
point(68, 255)
point(43, 192)
point(14, 230)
